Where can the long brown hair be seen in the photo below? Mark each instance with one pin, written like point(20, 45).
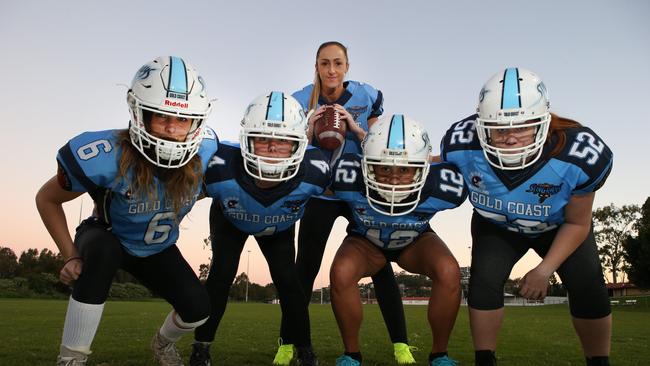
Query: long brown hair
point(556, 132)
point(315, 92)
point(180, 184)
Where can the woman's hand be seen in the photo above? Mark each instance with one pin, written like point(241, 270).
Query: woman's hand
point(351, 123)
point(71, 270)
point(535, 284)
point(312, 117)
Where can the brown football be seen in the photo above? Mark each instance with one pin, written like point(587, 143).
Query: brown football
point(329, 129)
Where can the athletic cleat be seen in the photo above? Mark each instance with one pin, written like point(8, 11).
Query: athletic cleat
point(70, 361)
point(200, 354)
point(68, 357)
point(165, 352)
point(403, 354)
point(347, 361)
point(284, 355)
point(485, 358)
point(307, 357)
point(444, 361)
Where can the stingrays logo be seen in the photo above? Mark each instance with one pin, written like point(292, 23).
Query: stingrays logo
point(231, 203)
point(202, 82)
point(356, 111)
point(144, 72)
point(360, 210)
point(476, 179)
point(544, 190)
point(481, 94)
point(293, 205)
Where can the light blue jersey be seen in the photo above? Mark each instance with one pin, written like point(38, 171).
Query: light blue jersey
point(361, 100)
point(443, 189)
point(144, 226)
point(532, 200)
point(258, 211)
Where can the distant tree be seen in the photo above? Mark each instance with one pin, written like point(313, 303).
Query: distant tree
point(637, 250)
point(414, 285)
point(48, 262)
point(612, 225)
point(28, 262)
point(204, 270)
point(238, 288)
point(8, 263)
point(555, 288)
point(512, 286)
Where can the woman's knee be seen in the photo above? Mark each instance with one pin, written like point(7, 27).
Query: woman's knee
point(194, 305)
point(343, 274)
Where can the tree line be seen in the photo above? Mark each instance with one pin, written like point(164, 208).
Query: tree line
point(622, 234)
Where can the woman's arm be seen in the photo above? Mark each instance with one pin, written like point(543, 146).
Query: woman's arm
point(49, 202)
point(574, 231)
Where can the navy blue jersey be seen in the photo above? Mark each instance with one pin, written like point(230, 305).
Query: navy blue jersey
point(144, 225)
point(530, 201)
point(443, 189)
point(258, 211)
point(361, 100)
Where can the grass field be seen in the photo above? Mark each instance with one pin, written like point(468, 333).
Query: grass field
point(30, 332)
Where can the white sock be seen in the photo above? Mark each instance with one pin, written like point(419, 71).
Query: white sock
point(81, 322)
point(170, 330)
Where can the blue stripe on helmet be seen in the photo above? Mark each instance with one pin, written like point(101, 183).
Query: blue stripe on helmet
point(275, 109)
point(510, 98)
point(396, 132)
point(177, 75)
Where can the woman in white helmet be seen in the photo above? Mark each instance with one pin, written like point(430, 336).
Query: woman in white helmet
point(532, 177)
point(260, 188)
point(392, 193)
point(143, 180)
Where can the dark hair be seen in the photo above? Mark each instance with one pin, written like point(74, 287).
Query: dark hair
point(315, 93)
point(556, 132)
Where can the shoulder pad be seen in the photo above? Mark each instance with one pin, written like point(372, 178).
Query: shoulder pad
point(584, 149)
point(317, 170)
point(347, 175)
point(460, 136)
point(221, 165)
point(445, 182)
point(90, 160)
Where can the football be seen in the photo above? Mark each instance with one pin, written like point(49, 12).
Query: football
point(329, 129)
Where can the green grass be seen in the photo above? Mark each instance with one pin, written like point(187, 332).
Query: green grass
point(30, 332)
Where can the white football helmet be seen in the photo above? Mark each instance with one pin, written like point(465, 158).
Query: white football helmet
point(395, 141)
point(513, 99)
point(275, 116)
point(171, 86)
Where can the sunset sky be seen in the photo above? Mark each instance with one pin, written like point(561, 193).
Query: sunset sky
point(64, 68)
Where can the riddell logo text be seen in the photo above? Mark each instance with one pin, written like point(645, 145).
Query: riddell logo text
point(176, 104)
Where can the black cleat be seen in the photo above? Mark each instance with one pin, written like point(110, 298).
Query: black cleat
point(200, 354)
point(306, 356)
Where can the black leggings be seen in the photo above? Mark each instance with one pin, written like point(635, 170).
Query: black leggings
point(279, 251)
point(315, 228)
point(495, 251)
point(166, 273)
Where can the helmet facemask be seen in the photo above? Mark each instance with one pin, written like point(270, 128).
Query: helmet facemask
point(513, 158)
point(272, 169)
point(393, 199)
